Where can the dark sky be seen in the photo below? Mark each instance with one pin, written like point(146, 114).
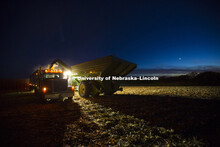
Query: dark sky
point(152, 34)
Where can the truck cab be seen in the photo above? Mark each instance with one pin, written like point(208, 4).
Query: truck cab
point(50, 84)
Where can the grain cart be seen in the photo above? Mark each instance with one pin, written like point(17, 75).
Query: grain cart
point(89, 77)
point(50, 84)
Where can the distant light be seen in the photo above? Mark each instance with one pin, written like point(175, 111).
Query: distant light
point(180, 58)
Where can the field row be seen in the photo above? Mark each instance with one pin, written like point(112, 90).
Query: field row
point(101, 126)
point(203, 92)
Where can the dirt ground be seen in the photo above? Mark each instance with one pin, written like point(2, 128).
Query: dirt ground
point(187, 116)
point(25, 120)
point(195, 92)
point(28, 121)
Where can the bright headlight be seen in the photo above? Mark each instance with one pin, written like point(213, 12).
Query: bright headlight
point(66, 74)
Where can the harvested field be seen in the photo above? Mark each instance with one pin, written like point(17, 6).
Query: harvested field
point(147, 116)
point(200, 92)
point(113, 128)
point(178, 108)
point(27, 121)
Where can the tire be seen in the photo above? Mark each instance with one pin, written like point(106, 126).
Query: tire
point(37, 91)
point(84, 89)
point(94, 91)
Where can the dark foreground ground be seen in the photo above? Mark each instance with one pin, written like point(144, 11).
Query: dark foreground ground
point(25, 120)
point(188, 117)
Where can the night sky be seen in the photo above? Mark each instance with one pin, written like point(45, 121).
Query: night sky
point(153, 34)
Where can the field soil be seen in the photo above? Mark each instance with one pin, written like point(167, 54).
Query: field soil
point(28, 121)
point(189, 111)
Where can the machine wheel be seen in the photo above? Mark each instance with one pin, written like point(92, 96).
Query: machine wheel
point(36, 91)
point(94, 91)
point(84, 89)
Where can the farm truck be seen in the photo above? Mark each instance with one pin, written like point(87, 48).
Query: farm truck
point(91, 78)
point(50, 84)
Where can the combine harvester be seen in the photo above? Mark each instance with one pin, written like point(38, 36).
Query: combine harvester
point(94, 77)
